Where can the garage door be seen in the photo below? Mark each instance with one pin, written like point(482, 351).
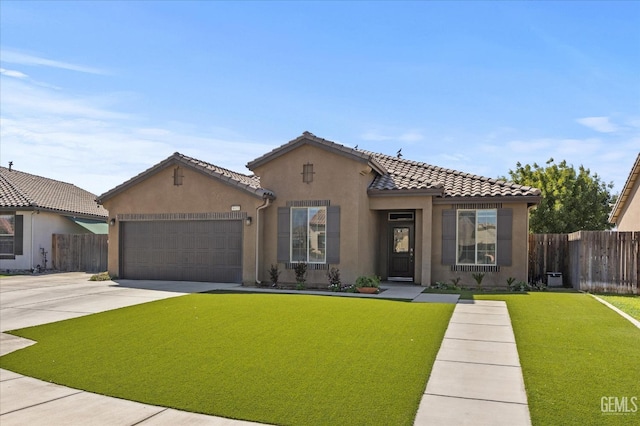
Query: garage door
point(203, 250)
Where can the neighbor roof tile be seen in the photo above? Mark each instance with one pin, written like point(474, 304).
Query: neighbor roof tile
point(20, 190)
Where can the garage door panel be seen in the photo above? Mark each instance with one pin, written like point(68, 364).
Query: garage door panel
point(182, 250)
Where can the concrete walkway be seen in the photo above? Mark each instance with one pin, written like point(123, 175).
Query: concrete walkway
point(476, 378)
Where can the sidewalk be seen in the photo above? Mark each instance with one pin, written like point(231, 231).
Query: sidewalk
point(476, 378)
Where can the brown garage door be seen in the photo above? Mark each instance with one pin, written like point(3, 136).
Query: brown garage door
point(203, 250)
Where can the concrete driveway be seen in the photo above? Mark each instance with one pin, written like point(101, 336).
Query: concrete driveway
point(28, 300)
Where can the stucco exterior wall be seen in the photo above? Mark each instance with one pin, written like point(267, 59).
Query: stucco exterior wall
point(342, 181)
point(629, 219)
point(198, 193)
point(520, 247)
point(38, 228)
point(422, 205)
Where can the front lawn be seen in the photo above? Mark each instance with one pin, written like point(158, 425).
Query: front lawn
point(574, 352)
point(262, 357)
point(629, 304)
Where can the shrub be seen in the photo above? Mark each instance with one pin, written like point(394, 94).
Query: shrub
point(335, 284)
point(274, 274)
point(478, 277)
point(371, 281)
point(102, 276)
point(300, 269)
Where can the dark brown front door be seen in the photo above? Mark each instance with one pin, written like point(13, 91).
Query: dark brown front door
point(401, 251)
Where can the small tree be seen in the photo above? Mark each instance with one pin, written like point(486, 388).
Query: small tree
point(571, 200)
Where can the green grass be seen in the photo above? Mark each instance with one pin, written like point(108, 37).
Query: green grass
point(629, 304)
point(267, 358)
point(574, 351)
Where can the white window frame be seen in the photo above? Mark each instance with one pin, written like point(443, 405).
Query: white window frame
point(309, 232)
point(475, 235)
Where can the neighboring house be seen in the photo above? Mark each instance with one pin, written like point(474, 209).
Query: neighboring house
point(315, 201)
point(33, 208)
point(626, 212)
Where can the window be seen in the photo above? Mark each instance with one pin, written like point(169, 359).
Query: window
point(7, 234)
point(476, 237)
point(308, 234)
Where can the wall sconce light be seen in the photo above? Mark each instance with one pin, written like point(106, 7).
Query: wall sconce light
point(112, 221)
point(248, 221)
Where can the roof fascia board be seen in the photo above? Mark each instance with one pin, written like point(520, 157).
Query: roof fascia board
point(319, 143)
point(618, 207)
point(176, 159)
point(531, 200)
point(403, 192)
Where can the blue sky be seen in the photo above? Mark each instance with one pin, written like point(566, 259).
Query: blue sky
point(93, 93)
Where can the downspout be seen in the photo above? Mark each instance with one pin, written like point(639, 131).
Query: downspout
point(264, 206)
point(31, 248)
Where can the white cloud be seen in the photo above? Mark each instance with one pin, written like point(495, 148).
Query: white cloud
point(13, 73)
point(599, 124)
point(86, 140)
point(14, 57)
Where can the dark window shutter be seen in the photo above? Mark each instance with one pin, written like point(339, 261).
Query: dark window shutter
point(333, 235)
point(284, 230)
point(18, 235)
point(505, 224)
point(448, 237)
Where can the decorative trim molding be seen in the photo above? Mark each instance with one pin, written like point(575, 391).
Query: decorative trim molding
point(310, 266)
point(139, 217)
point(475, 268)
point(478, 206)
point(308, 203)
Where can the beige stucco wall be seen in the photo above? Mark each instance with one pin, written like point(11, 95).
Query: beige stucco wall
point(199, 193)
point(520, 247)
point(629, 218)
point(422, 205)
point(342, 181)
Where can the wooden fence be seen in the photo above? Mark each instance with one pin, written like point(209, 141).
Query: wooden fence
point(588, 260)
point(79, 252)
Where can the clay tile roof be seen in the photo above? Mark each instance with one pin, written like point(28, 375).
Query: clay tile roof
point(250, 183)
point(408, 175)
point(244, 182)
point(19, 190)
point(310, 138)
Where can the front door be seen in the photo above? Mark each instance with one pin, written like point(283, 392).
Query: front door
point(401, 259)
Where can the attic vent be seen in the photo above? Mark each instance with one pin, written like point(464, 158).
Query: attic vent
point(307, 173)
point(177, 176)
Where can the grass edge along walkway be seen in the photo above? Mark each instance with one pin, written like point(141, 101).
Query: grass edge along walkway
point(267, 358)
point(574, 352)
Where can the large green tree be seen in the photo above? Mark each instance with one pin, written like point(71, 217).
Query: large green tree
point(572, 200)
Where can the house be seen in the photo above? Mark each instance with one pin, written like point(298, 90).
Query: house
point(315, 201)
point(33, 208)
point(626, 212)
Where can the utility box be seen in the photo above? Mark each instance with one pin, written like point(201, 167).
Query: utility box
point(554, 279)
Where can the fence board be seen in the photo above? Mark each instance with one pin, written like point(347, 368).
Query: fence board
point(79, 252)
point(589, 260)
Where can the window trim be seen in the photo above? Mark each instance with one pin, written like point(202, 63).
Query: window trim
point(457, 236)
point(308, 233)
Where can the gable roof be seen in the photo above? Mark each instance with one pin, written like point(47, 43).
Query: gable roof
point(247, 183)
point(412, 176)
point(24, 191)
point(622, 200)
point(308, 138)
